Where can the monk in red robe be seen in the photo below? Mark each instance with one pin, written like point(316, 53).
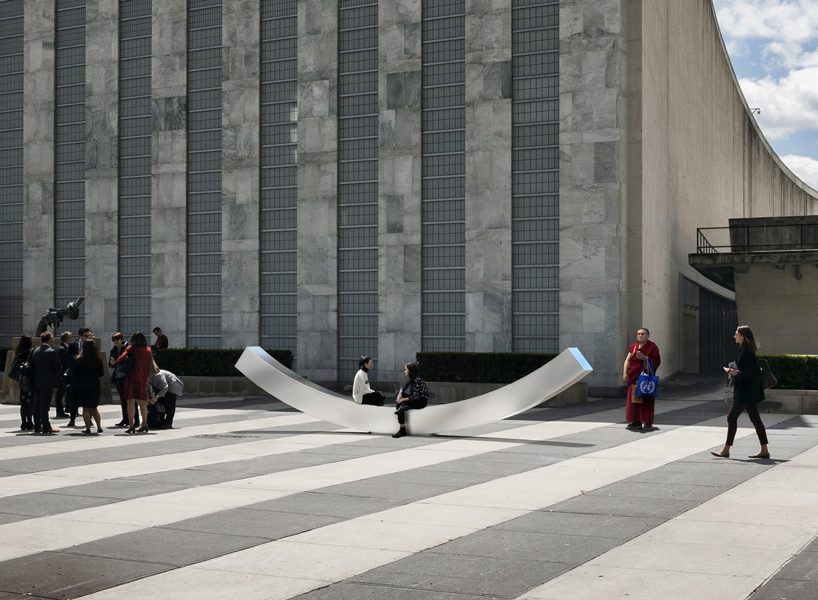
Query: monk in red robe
point(639, 411)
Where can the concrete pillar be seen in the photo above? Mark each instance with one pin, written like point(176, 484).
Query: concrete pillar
point(38, 161)
point(240, 173)
point(488, 176)
point(169, 169)
point(101, 185)
point(399, 186)
point(317, 345)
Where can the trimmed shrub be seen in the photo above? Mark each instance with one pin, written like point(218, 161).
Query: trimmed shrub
point(210, 363)
point(794, 371)
point(479, 367)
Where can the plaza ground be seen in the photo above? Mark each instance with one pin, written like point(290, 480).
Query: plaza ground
point(249, 499)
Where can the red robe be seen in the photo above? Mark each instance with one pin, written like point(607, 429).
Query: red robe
point(642, 412)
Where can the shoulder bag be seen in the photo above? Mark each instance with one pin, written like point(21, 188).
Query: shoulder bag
point(647, 386)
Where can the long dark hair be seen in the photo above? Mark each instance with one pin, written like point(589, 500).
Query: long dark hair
point(138, 339)
point(89, 355)
point(24, 345)
point(749, 338)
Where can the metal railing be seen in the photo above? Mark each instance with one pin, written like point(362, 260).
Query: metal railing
point(756, 238)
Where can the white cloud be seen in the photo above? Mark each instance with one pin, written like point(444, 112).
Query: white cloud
point(788, 104)
point(781, 20)
point(805, 167)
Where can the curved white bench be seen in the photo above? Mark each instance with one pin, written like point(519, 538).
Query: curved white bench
point(549, 380)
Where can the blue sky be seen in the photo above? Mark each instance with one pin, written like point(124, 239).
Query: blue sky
point(773, 45)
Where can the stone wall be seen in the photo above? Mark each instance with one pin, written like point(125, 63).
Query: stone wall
point(399, 185)
point(778, 303)
point(101, 160)
point(240, 173)
point(703, 161)
point(594, 275)
point(169, 169)
point(488, 176)
point(317, 345)
point(38, 161)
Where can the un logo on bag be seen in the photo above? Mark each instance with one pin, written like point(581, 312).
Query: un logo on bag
point(647, 387)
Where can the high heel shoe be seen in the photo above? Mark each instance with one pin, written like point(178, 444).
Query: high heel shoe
point(131, 429)
point(143, 429)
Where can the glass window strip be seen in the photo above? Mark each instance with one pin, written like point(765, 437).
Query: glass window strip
point(278, 240)
point(357, 175)
point(134, 229)
point(443, 180)
point(69, 200)
point(535, 183)
point(11, 147)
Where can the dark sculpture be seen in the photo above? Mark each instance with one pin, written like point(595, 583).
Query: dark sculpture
point(54, 316)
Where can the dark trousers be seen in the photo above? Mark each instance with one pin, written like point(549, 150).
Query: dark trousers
point(161, 413)
point(373, 398)
point(58, 400)
point(755, 419)
point(416, 404)
point(42, 404)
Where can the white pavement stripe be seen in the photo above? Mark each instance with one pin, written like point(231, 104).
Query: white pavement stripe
point(55, 479)
point(335, 552)
point(109, 441)
point(53, 532)
point(724, 548)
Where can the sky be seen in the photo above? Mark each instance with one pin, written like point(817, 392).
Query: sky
point(773, 45)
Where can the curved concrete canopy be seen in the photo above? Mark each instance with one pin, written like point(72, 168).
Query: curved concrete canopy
point(549, 380)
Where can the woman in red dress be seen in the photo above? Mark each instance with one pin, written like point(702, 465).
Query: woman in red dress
point(136, 381)
point(639, 411)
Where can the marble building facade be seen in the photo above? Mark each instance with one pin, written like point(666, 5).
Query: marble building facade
point(355, 177)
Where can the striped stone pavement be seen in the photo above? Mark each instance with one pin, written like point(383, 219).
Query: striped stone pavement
point(247, 499)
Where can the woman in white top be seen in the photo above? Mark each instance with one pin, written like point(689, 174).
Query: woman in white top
point(361, 392)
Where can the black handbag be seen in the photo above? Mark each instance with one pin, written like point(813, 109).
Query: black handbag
point(768, 379)
point(124, 367)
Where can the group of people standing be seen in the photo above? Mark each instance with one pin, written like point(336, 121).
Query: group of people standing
point(74, 370)
point(744, 377)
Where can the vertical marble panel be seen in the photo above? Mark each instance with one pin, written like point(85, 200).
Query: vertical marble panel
point(399, 186)
point(593, 138)
point(317, 189)
point(488, 176)
point(101, 186)
point(240, 173)
point(169, 168)
point(38, 161)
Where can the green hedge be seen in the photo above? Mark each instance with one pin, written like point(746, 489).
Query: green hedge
point(210, 363)
point(479, 367)
point(794, 371)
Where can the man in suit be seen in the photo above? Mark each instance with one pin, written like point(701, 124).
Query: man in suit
point(65, 361)
point(45, 364)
